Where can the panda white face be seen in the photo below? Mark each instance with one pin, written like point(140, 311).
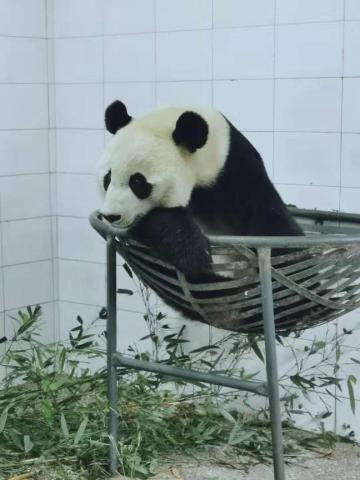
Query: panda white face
point(157, 160)
point(139, 172)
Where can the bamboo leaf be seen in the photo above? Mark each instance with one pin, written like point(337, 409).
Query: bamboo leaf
point(338, 352)
point(3, 418)
point(350, 381)
point(125, 291)
point(227, 415)
point(206, 347)
point(80, 431)
point(254, 345)
point(64, 426)
point(128, 270)
point(28, 444)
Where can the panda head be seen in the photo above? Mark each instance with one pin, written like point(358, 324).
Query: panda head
point(153, 161)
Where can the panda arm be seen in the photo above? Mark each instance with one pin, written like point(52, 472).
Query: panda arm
point(173, 235)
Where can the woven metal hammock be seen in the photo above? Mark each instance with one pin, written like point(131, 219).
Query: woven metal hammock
point(314, 279)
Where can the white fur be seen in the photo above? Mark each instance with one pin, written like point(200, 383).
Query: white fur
point(146, 146)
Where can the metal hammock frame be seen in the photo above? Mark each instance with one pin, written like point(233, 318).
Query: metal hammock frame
point(278, 285)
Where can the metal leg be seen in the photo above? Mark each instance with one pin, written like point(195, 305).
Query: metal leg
point(111, 349)
point(271, 361)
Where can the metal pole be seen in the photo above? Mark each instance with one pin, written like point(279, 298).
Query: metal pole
point(213, 379)
point(111, 349)
point(264, 254)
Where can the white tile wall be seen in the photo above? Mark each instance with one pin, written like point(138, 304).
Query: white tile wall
point(27, 284)
point(23, 152)
point(77, 18)
point(237, 13)
point(351, 105)
point(129, 16)
point(25, 196)
point(183, 55)
point(79, 106)
point(77, 151)
point(350, 200)
point(78, 242)
point(138, 97)
point(184, 93)
point(309, 50)
point(352, 10)
point(22, 60)
point(2, 302)
point(78, 60)
point(244, 53)
point(307, 158)
point(350, 165)
point(248, 104)
point(26, 240)
point(23, 106)
point(310, 105)
point(22, 18)
point(184, 15)
point(312, 197)
point(77, 195)
point(299, 11)
point(286, 72)
point(82, 282)
point(351, 49)
point(129, 58)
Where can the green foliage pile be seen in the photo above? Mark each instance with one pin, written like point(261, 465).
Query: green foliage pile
point(53, 413)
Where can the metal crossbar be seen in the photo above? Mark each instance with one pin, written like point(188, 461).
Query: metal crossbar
point(315, 285)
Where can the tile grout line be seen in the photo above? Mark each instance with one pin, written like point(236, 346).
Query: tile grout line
point(52, 156)
point(274, 93)
point(29, 262)
point(2, 293)
point(223, 28)
point(342, 103)
point(156, 81)
point(194, 79)
point(212, 53)
point(340, 181)
point(98, 129)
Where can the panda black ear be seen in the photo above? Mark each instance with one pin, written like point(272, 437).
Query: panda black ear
point(191, 131)
point(116, 116)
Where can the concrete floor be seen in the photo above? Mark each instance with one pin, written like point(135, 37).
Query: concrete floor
point(343, 463)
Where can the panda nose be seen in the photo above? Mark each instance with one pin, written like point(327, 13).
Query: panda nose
point(112, 218)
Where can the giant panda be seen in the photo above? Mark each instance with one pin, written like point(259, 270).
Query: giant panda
point(174, 174)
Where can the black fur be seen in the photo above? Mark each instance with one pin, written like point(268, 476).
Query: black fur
point(107, 180)
point(140, 186)
point(116, 116)
point(191, 131)
point(243, 201)
point(174, 235)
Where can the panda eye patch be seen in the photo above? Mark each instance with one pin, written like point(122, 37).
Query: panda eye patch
point(139, 185)
point(107, 180)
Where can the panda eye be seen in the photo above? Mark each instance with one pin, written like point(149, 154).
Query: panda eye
point(107, 180)
point(139, 185)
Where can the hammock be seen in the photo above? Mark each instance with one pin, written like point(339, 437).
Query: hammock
point(315, 278)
